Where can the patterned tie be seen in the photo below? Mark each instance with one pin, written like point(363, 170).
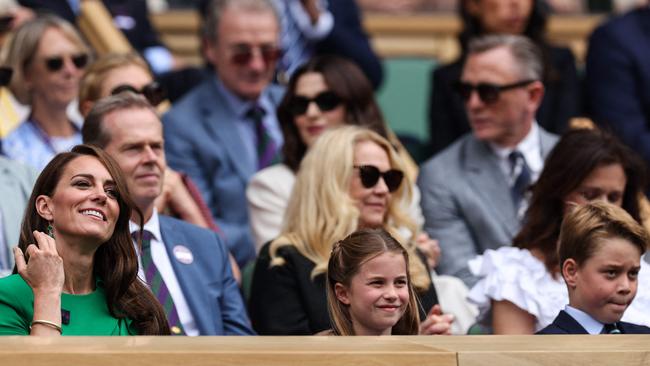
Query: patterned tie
point(520, 177)
point(157, 284)
point(610, 329)
point(266, 148)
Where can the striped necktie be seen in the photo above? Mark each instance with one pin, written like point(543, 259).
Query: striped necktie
point(266, 147)
point(610, 329)
point(521, 178)
point(157, 284)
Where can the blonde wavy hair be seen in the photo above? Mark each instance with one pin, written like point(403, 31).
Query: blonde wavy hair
point(321, 212)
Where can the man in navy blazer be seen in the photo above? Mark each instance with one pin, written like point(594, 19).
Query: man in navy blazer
point(566, 324)
point(215, 132)
point(618, 78)
point(193, 262)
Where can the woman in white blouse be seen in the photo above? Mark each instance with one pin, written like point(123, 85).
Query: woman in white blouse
point(522, 284)
point(326, 92)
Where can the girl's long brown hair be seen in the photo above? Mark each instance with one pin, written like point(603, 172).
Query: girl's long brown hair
point(115, 262)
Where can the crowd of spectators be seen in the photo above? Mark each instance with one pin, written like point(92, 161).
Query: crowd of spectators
point(235, 198)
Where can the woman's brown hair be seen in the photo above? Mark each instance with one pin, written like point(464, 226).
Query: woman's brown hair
point(115, 262)
point(574, 157)
point(348, 82)
point(348, 255)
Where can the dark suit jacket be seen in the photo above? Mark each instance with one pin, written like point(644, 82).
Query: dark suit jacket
point(348, 39)
point(448, 120)
point(286, 301)
point(565, 324)
point(202, 140)
point(618, 78)
point(207, 283)
point(141, 36)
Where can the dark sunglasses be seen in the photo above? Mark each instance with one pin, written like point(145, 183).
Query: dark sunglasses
point(488, 93)
point(370, 174)
point(326, 101)
point(5, 76)
point(55, 63)
point(243, 54)
point(153, 91)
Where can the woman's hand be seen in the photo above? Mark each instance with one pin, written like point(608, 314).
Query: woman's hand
point(429, 247)
point(436, 322)
point(44, 272)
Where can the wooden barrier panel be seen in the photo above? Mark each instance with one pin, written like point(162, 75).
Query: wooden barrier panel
point(336, 351)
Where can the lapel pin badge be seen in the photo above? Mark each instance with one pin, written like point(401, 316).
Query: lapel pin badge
point(183, 254)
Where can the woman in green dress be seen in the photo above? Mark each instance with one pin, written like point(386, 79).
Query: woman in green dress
point(76, 265)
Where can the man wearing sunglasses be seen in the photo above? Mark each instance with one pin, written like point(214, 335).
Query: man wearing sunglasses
point(192, 262)
point(225, 129)
point(474, 192)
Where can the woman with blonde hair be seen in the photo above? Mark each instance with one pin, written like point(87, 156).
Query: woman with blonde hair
point(48, 58)
point(350, 178)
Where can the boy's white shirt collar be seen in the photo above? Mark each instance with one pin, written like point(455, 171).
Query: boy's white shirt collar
point(591, 325)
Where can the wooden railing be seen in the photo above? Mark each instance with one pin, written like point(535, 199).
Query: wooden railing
point(428, 35)
point(336, 351)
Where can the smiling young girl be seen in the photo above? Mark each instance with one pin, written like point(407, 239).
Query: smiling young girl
point(369, 289)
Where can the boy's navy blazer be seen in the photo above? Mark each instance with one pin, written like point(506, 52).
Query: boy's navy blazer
point(565, 324)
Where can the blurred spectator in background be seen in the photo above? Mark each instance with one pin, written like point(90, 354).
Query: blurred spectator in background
point(447, 117)
point(225, 129)
point(129, 16)
point(618, 78)
point(48, 57)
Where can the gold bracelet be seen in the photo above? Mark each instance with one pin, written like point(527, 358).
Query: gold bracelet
point(47, 323)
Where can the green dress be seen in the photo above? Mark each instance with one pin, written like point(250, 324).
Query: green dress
point(87, 314)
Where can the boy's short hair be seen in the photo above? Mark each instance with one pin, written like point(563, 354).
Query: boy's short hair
point(586, 225)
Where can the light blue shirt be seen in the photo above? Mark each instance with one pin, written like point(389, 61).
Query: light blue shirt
point(28, 144)
point(246, 127)
point(591, 325)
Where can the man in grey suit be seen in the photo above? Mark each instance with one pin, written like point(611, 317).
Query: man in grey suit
point(225, 129)
point(474, 192)
point(191, 274)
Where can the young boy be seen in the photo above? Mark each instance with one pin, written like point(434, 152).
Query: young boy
point(600, 251)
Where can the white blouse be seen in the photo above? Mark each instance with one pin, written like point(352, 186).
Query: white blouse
point(515, 275)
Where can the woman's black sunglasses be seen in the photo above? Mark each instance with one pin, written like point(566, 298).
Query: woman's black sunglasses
point(370, 174)
point(153, 91)
point(55, 63)
point(326, 101)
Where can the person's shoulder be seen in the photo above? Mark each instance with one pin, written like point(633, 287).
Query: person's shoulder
point(621, 27)
point(449, 159)
point(15, 286)
point(187, 229)
point(631, 328)
point(189, 102)
point(272, 174)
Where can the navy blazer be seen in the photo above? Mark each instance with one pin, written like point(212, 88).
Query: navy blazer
point(348, 39)
point(202, 140)
point(565, 324)
point(207, 283)
point(617, 78)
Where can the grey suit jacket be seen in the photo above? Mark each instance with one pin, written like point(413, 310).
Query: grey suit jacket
point(202, 140)
point(16, 182)
point(466, 202)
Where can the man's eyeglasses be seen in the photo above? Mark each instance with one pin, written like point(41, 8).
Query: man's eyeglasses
point(487, 92)
point(243, 54)
point(55, 63)
point(326, 101)
point(5, 76)
point(370, 174)
point(153, 91)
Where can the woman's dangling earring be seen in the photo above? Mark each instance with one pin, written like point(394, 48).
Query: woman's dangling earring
point(50, 231)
